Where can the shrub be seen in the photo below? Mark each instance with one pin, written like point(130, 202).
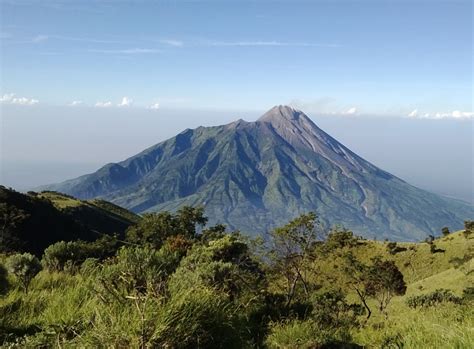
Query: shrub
point(68, 256)
point(432, 299)
point(393, 248)
point(331, 310)
point(445, 231)
point(25, 267)
point(224, 264)
point(135, 271)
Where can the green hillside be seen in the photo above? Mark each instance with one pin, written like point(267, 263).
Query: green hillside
point(31, 222)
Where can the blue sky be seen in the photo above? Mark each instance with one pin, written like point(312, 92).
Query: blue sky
point(84, 83)
point(365, 57)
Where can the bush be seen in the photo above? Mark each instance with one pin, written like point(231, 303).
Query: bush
point(68, 256)
point(224, 264)
point(445, 231)
point(393, 248)
point(331, 310)
point(432, 299)
point(25, 267)
point(136, 271)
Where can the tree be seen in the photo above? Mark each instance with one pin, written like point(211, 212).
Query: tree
point(445, 231)
point(25, 267)
point(291, 252)
point(155, 228)
point(382, 280)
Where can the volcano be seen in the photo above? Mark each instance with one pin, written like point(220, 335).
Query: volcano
point(253, 176)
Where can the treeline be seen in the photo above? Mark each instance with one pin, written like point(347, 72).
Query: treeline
point(174, 282)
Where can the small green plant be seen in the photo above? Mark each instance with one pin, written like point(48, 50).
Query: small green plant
point(25, 267)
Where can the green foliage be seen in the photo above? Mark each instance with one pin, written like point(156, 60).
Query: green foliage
point(291, 253)
point(218, 290)
point(136, 271)
point(432, 299)
point(381, 280)
point(155, 228)
point(337, 239)
point(223, 264)
point(68, 256)
point(25, 267)
point(331, 310)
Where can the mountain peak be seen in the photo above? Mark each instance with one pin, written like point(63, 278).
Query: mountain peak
point(279, 112)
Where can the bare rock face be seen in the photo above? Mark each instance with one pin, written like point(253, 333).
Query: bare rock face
point(254, 176)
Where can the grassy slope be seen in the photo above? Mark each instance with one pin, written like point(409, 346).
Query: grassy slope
point(64, 202)
point(447, 325)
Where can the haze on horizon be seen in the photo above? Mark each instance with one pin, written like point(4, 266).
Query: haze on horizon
point(86, 84)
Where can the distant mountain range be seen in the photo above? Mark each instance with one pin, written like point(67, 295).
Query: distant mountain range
point(254, 176)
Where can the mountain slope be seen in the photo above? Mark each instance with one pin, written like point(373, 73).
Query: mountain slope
point(256, 175)
point(31, 222)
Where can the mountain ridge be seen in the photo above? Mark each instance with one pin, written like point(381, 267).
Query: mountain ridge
point(256, 175)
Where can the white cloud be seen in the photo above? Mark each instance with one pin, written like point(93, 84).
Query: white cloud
point(130, 51)
point(154, 106)
point(103, 104)
point(350, 111)
point(126, 102)
point(175, 43)
point(456, 114)
point(413, 114)
point(75, 103)
point(269, 43)
point(10, 98)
